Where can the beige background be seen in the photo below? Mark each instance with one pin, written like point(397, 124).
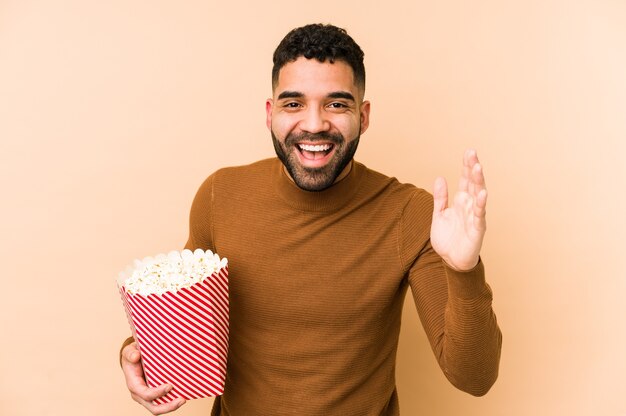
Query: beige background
point(112, 113)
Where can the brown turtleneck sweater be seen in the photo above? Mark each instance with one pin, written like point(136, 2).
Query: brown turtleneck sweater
point(317, 284)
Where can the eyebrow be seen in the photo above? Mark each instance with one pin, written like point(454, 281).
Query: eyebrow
point(336, 94)
point(342, 94)
point(290, 94)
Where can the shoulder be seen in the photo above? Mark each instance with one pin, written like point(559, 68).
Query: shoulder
point(252, 169)
point(236, 185)
point(234, 177)
point(412, 207)
point(405, 195)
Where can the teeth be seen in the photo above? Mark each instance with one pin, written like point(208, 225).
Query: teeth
point(316, 148)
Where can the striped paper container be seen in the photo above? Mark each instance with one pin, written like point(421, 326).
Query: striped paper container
point(183, 337)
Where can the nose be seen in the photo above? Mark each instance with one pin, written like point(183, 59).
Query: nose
point(314, 120)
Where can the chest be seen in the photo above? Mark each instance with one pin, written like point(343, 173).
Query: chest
point(322, 269)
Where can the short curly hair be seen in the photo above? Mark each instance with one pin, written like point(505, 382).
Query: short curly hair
point(321, 42)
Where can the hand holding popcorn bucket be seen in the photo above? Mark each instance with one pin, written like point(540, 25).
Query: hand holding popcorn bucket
point(177, 308)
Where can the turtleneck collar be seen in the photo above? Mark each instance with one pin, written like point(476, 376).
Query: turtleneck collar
point(333, 198)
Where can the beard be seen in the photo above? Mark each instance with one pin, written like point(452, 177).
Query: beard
point(315, 179)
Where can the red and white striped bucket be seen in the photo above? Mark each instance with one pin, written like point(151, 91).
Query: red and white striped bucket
point(183, 337)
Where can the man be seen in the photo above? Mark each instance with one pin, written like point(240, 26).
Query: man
point(322, 251)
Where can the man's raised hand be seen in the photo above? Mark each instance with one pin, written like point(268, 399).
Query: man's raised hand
point(457, 231)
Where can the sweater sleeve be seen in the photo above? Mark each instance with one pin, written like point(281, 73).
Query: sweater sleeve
point(455, 308)
point(201, 218)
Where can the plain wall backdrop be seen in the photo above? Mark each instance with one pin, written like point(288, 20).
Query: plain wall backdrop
point(113, 113)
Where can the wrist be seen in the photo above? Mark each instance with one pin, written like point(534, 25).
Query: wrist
point(462, 268)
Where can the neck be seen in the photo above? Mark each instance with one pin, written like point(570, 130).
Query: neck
point(331, 198)
point(342, 175)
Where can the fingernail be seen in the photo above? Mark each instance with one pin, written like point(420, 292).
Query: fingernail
point(168, 388)
point(180, 403)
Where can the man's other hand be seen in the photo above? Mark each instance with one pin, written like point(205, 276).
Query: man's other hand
point(139, 390)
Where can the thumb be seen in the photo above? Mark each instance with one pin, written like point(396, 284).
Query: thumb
point(440, 195)
point(131, 353)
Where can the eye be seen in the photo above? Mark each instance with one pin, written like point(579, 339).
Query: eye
point(291, 104)
point(337, 105)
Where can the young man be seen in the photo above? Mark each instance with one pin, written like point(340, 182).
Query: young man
point(322, 251)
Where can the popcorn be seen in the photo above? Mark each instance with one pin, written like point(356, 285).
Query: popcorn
point(177, 306)
point(171, 272)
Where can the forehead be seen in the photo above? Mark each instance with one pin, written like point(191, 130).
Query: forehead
point(310, 77)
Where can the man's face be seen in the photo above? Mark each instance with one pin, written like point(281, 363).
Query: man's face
point(316, 116)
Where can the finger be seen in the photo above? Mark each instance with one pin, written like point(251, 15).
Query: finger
point(478, 191)
point(480, 197)
point(478, 179)
point(480, 210)
point(133, 372)
point(161, 409)
point(465, 173)
point(136, 383)
point(149, 394)
point(470, 160)
point(440, 195)
point(470, 157)
point(168, 407)
point(130, 353)
point(135, 380)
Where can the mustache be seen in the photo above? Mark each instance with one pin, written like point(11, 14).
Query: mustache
point(293, 138)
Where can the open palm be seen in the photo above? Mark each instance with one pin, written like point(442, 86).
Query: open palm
point(457, 231)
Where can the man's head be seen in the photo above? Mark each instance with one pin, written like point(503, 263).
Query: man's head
point(320, 42)
point(317, 112)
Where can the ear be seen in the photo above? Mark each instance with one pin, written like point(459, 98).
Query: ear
point(365, 116)
point(269, 104)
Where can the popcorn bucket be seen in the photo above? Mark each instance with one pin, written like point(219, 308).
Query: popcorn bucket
point(183, 336)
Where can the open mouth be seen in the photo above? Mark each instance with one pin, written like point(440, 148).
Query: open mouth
point(315, 151)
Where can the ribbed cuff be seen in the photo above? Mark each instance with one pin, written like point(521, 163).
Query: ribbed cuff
point(466, 284)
